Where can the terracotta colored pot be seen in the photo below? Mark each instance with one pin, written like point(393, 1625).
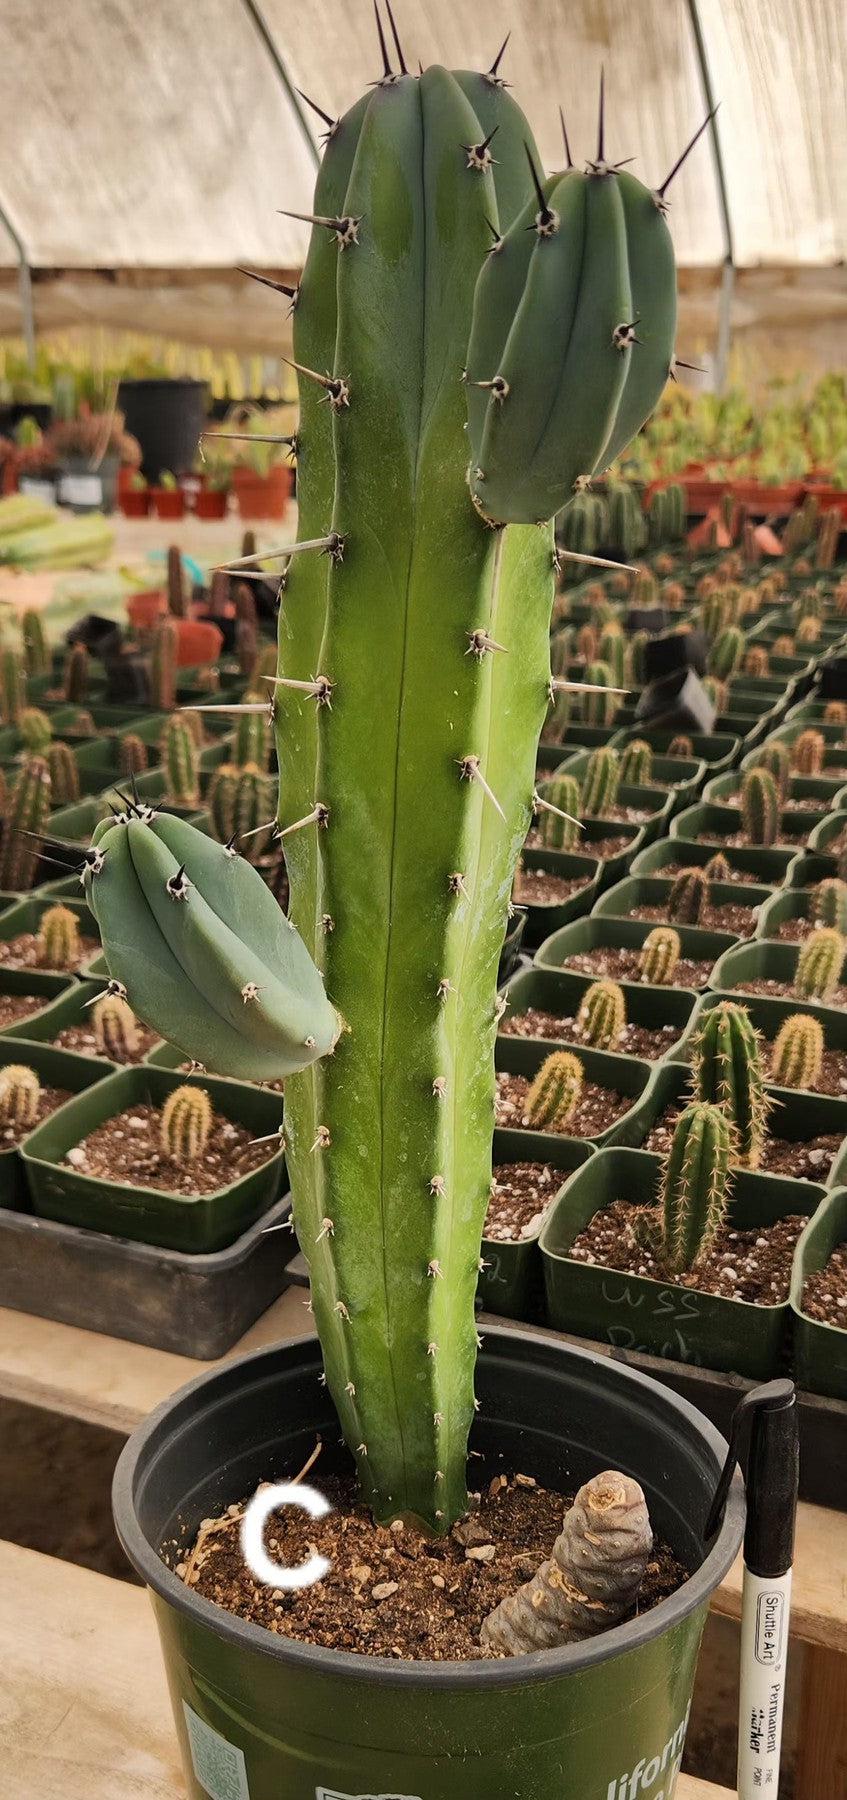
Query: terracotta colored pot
point(199, 642)
point(211, 503)
point(262, 496)
point(168, 503)
point(135, 503)
point(827, 496)
point(145, 608)
point(767, 499)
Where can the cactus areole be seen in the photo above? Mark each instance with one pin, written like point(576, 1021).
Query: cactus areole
point(473, 343)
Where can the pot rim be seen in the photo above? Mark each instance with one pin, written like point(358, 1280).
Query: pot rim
point(443, 1677)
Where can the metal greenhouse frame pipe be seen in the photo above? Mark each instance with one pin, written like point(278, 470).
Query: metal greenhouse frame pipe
point(728, 274)
point(255, 12)
point(25, 284)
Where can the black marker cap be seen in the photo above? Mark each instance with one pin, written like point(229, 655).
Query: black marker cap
point(773, 1472)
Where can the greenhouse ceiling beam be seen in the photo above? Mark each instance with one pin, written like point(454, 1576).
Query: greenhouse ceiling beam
point(728, 276)
point(287, 85)
point(25, 286)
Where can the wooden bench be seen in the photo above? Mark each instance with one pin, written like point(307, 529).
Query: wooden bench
point(85, 1712)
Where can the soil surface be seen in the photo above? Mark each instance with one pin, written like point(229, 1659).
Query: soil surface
point(390, 1591)
point(48, 1100)
point(825, 1294)
point(24, 952)
point(534, 887)
point(833, 1076)
point(785, 990)
point(520, 1196)
point(807, 1159)
point(81, 1038)
point(126, 1149)
point(635, 1040)
point(598, 1108)
point(740, 877)
point(732, 916)
point(622, 965)
point(738, 840)
point(794, 931)
point(19, 1006)
point(741, 1265)
point(609, 844)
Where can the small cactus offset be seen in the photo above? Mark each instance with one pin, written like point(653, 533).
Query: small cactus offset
point(186, 1124)
point(681, 745)
point(660, 954)
point(35, 729)
point(12, 686)
point(828, 904)
point(64, 774)
point(133, 755)
point(612, 651)
point(181, 763)
point(797, 1055)
point(75, 678)
point(178, 599)
point(253, 734)
point(163, 665)
point(636, 763)
point(835, 711)
point(558, 822)
point(727, 652)
point(819, 965)
point(26, 813)
point(728, 1071)
point(554, 1096)
point(760, 807)
point(115, 1029)
point(695, 1184)
point(689, 896)
point(601, 781)
point(776, 758)
point(599, 708)
point(36, 648)
point(808, 753)
point(58, 938)
point(757, 662)
point(601, 1019)
point(20, 1094)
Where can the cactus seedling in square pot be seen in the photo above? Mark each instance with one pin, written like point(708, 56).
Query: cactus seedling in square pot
point(35, 1080)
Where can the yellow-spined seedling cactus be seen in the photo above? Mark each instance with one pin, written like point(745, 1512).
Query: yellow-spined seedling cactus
point(695, 1184)
point(797, 1055)
point(58, 938)
point(115, 1028)
point(20, 1093)
point(602, 1015)
point(728, 1071)
point(186, 1123)
point(660, 954)
point(819, 965)
point(556, 1092)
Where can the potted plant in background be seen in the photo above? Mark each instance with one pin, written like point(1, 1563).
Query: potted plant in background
point(87, 452)
point(261, 473)
point(407, 750)
point(215, 469)
point(135, 496)
point(166, 496)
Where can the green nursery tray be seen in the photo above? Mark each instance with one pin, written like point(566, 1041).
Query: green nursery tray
point(172, 1221)
point(827, 831)
point(820, 1350)
point(767, 1014)
point(788, 903)
point(625, 1075)
point(635, 1312)
point(541, 920)
point(599, 932)
point(757, 960)
point(812, 792)
point(712, 824)
point(654, 890)
point(54, 1068)
point(715, 748)
point(768, 866)
point(561, 991)
point(31, 981)
point(511, 1282)
point(12, 745)
point(26, 916)
point(809, 867)
point(72, 1007)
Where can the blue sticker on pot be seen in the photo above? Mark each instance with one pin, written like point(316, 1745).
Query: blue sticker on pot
point(218, 1765)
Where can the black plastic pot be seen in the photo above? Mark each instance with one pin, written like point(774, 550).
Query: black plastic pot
point(768, 866)
point(286, 1718)
point(820, 1351)
point(167, 418)
point(540, 920)
point(510, 1281)
point(599, 932)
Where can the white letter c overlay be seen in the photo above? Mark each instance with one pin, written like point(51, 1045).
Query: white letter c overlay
point(260, 1564)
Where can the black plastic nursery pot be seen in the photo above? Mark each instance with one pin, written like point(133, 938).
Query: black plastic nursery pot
point(600, 932)
point(54, 1068)
point(510, 1280)
point(820, 1350)
point(626, 1075)
point(282, 1718)
point(711, 824)
point(636, 1312)
point(713, 748)
point(166, 416)
point(561, 991)
point(542, 918)
point(767, 866)
point(654, 890)
point(151, 1215)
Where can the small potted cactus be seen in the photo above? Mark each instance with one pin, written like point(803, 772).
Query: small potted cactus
point(35, 1080)
point(166, 496)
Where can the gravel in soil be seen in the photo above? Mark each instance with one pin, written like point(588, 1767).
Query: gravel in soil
point(609, 844)
point(636, 1040)
point(825, 1293)
point(48, 1100)
point(598, 1108)
point(739, 877)
point(732, 916)
point(126, 1149)
point(390, 1591)
point(81, 1038)
point(622, 965)
point(738, 840)
point(535, 887)
point(784, 990)
point(806, 1159)
point(750, 1265)
point(520, 1196)
point(794, 931)
point(833, 1076)
point(24, 952)
point(19, 1006)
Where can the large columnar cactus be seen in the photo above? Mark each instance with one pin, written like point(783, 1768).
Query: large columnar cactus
point(602, 1015)
point(412, 687)
point(819, 965)
point(797, 1055)
point(25, 818)
point(828, 904)
point(760, 807)
point(695, 1184)
point(601, 781)
point(728, 1071)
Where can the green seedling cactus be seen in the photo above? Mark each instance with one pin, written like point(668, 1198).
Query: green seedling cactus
point(715, 613)
point(133, 755)
point(26, 816)
point(681, 745)
point(554, 1095)
point(583, 525)
point(718, 867)
point(562, 650)
point(599, 708)
point(760, 807)
point(728, 1071)
point(660, 954)
point(559, 813)
point(64, 774)
point(36, 648)
point(601, 781)
point(637, 763)
point(757, 662)
point(58, 938)
point(12, 686)
point(717, 692)
point(35, 729)
point(240, 804)
point(784, 645)
point(645, 588)
point(246, 648)
point(819, 965)
point(75, 676)
point(20, 1095)
point(587, 640)
point(186, 1124)
point(829, 533)
point(808, 753)
point(612, 651)
point(115, 1028)
point(776, 758)
point(602, 1015)
point(406, 738)
point(181, 763)
point(695, 1184)
point(808, 633)
point(635, 665)
point(727, 652)
point(835, 712)
point(628, 528)
point(559, 714)
point(178, 596)
point(828, 904)
point(689, 896)
point(253, 733)
point(797, 1055)
point(163, 665)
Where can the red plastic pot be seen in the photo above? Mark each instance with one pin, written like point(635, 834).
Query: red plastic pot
point(767, 499)
point(144, 609)
point(211, 503)
point(827, 495)
point(168, 503)
point(701, 494)
point(262, 496)
point(135, 503)
point(199, 642)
